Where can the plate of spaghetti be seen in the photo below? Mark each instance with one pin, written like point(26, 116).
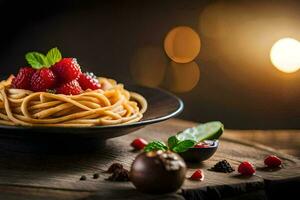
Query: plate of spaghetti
point(54, 95)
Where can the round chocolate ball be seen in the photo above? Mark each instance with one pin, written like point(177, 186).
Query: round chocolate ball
point(158, 172)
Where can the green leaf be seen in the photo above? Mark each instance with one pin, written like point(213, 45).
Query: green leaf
point(172, 142)
point(183, 146)
point(155, 146)
point(37, 60)
point(208, 131)
point(53, 56)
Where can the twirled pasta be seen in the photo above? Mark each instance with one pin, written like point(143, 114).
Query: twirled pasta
point(107, 106)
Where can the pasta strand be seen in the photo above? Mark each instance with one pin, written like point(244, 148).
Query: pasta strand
point(107, 106)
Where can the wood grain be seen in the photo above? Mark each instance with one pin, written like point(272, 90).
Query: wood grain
point(37, 175)
point(287, 141)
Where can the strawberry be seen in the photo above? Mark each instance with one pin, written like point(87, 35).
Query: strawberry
point(139, 143)
point(67, 70)
point(71, 88)
point(42, 80)
point(198, 175)
point(272, 161)
point(23, 78)
point(246, 168)
point(88, 81)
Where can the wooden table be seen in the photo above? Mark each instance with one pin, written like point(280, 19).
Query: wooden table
point(56, 175)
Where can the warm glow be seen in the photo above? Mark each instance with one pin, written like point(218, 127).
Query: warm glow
point(182, 44)
point(148, 65)
point(285, 55)
point(181, 77)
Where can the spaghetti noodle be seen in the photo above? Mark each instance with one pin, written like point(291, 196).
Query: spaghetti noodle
point(110, 105)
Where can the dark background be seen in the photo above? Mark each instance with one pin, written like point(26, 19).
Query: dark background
point(238, 84)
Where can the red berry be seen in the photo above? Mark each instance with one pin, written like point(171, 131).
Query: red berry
point(42, 80)
point(71, 88)
point(272, 161)
point(198, 175)
point(201, 146)
point(246, 168)
point(88, 81)
point(67, 70)
point(23, 78)
point(139, 143)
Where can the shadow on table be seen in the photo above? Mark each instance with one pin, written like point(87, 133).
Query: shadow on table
point(130, 193)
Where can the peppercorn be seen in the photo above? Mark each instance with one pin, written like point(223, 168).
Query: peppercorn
point(222, 166)
point(119, 175)
point(83, 178)
point(95, 176)
point(114, 167)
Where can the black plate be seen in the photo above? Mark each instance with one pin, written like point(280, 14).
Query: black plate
point(162, 105)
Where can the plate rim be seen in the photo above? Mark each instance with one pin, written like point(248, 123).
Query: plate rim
point(135, 124)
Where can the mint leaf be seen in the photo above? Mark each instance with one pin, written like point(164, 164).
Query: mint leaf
point(183, 146)
point(172, 142)
point(37, 60)
point(53, 56)
point(155, 146)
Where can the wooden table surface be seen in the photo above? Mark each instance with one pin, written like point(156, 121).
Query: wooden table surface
point(28, 175)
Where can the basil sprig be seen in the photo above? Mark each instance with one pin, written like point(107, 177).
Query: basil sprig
point(155, 146)
point(38, 60)
point(175, 146)
point(178, 146)
point(188, 138)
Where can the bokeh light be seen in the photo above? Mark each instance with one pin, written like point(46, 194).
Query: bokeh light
point(181, 78)
point(148, 66)
point(238, 39)
point(214, 21)
point(285, 55)
point(182, 44)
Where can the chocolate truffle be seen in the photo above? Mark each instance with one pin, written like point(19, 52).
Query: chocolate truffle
point(158, 172)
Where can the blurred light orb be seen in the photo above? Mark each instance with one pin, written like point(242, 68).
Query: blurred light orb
point(180, 77)
point(148, 66)
point(285, 55)
point(215, 19)
point(182, 44)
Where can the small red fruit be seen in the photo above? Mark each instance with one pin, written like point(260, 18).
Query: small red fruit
point(23, 78)
point(198, 175)
point(87, 81)
point(42, 80)
point(272, 161)
point(71, 88)
point(139, 143)
point(246, 168)
point(201, 146)
point(67, 70)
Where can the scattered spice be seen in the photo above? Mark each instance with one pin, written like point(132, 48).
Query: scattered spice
point(222, 166)
point(83, 178)
point(95, 176)
point(114, 167)
point(119, 175)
